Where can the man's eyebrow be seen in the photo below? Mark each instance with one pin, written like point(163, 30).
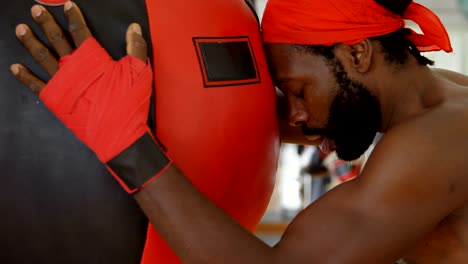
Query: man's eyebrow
point(283, 79)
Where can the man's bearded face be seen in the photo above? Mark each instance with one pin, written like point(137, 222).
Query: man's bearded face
point(354, 116)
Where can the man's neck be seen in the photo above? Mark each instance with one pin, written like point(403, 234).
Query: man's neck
point(408, 93)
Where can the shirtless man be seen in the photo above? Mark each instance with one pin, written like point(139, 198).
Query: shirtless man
point(410, 200)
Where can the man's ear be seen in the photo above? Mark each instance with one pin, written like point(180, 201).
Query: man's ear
point(359, 55)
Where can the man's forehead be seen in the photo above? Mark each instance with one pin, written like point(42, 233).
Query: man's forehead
point(280, 57)
point(288, 64)
point(282, 76)
point(279, 50)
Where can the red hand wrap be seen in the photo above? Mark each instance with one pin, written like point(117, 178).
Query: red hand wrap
point(104, 102)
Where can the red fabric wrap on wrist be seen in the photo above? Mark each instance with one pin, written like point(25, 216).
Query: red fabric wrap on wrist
point(104, 102)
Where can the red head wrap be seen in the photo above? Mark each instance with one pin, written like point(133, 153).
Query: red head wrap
point(327, 22)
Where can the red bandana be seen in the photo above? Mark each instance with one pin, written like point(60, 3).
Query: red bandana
point(327, 22)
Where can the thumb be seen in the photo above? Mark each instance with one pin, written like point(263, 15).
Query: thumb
point(136, 44)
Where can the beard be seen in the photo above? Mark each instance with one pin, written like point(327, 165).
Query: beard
point(354, 117)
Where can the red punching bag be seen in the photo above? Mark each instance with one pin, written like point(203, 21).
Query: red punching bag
point(215, 106)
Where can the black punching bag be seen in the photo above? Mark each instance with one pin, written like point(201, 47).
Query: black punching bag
point(58, 203)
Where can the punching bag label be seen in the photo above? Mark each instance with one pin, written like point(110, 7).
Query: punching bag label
point(226, 61)
point(52, 2)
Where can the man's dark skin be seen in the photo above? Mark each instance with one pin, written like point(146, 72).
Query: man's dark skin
point(410, 200)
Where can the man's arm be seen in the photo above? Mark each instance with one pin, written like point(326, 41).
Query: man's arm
point(396, 201)
point(195, 228)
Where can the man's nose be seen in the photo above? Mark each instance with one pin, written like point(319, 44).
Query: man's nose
point(297, 114)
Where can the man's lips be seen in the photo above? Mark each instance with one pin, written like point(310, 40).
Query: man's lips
point(318, 136)
point(312, 137)
point(325, 145)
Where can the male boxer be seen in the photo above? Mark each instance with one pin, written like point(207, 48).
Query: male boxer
point(348, 69)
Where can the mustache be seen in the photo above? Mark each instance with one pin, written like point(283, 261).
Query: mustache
point(307, 131)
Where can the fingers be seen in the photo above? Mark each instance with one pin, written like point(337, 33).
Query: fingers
point(52, 30)
point(136, 44)
point(39, 52)
point(27, 78)
point(76, 23)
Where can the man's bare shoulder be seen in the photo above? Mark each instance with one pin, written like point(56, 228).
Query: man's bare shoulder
point(442, 133)
point(434, 143)
point(455, 77)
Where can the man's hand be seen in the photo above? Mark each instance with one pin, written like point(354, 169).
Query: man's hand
point(104, 102)
point(79, 32)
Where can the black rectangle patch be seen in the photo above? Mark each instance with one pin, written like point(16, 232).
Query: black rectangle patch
point(139, 162)
point(226, 61)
